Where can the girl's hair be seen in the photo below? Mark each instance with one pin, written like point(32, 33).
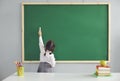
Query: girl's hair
point(49, 46)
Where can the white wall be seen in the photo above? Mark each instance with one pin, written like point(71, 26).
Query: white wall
point(10, 38)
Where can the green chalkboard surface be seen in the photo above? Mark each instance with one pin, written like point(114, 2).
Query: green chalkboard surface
point(80, 31)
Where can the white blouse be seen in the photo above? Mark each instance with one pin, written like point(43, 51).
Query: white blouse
point(49, 58)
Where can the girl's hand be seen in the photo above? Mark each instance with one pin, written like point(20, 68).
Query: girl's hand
point(40, 33)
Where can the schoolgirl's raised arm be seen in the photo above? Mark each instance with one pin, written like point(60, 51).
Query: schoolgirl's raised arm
point(41, 44)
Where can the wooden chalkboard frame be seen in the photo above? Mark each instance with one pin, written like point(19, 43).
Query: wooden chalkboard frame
point(39, 3)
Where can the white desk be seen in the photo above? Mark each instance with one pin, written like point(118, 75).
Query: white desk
point(30, 76)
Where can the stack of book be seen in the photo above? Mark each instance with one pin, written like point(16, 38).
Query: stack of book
point(102, 70)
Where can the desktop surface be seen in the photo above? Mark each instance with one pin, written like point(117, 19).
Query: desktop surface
point(32, 76)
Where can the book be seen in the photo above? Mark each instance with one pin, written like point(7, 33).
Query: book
point(106, 68)
point(99, 66)
point(102, 70)
point(103, 74)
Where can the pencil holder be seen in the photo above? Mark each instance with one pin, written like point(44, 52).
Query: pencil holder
point(20, 71)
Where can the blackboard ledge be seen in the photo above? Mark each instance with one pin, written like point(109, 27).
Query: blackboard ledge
point(68, 61)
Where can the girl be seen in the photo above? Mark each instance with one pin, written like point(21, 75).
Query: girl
point(47, 59)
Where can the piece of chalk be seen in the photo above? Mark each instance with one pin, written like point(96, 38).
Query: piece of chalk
point(39, 28)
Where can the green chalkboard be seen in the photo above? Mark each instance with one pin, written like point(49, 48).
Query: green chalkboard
point(80, 31)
